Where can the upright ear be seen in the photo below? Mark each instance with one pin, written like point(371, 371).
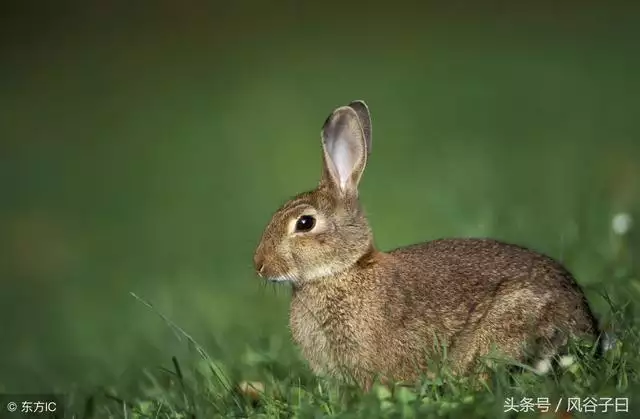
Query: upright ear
point(345, 150)
point(364, 116)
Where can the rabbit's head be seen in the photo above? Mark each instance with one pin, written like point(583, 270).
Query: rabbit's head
point(323, 232)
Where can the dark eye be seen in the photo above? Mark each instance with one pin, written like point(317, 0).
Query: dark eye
point(305, 223)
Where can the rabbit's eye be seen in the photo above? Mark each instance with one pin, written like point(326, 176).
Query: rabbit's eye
point(305, 223)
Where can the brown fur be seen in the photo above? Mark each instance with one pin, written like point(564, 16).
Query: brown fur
point(357, 312)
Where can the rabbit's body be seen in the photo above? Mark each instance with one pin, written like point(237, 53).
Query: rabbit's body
point(471, 293)
point(360, 313)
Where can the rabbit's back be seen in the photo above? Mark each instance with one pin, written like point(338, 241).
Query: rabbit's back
point(466, 270)
point(468, 292)
point(455, 279)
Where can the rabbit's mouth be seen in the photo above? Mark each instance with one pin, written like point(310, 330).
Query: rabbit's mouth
point(270, 275)
point(279, 279)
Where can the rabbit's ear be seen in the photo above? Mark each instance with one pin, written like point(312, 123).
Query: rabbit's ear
point(345, 151)
point(364, 115)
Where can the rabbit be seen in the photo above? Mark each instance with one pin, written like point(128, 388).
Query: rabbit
point(361, 314)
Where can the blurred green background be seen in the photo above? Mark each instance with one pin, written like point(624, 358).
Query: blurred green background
point(144, 147)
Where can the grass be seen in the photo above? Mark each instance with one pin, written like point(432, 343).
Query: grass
point(200, 386)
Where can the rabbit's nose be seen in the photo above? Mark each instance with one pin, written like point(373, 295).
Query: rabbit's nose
point(259, 264)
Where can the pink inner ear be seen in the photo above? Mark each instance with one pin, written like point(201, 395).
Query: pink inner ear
point(343, 159)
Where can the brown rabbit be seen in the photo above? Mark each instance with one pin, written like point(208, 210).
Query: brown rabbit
point(357, 312)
